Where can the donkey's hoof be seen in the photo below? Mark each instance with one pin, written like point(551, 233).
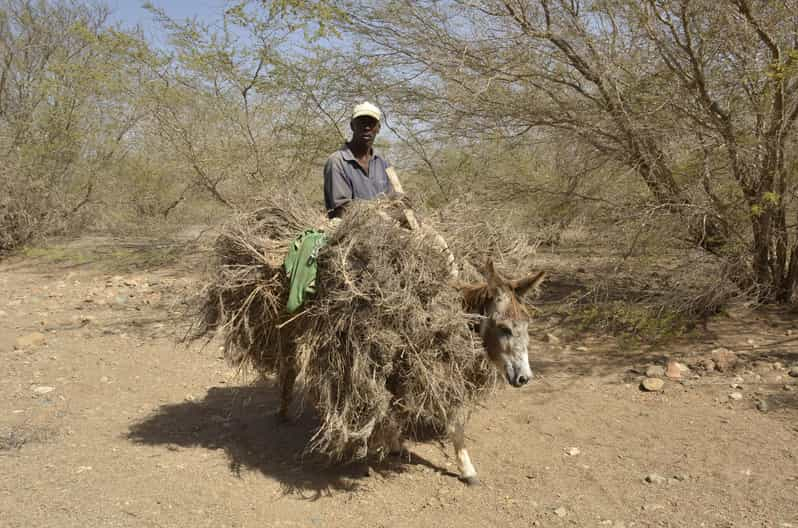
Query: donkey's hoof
point(470, 481)
point(399, 453)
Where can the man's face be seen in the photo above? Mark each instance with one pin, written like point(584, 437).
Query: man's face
point(364, 129)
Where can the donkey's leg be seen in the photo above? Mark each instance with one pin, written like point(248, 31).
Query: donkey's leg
point(397, 444)
point(394, 441)
point(457, 433)
point(287, 379)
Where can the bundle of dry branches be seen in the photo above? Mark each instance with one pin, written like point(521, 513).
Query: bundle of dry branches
point(384, 347)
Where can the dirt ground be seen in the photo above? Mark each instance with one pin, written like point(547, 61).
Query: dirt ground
point(106, 421)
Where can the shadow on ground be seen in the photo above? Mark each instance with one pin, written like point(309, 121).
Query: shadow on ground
point(782, 400)
point(242, 422)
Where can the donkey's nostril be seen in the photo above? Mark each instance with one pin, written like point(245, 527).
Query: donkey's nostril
point(522, 380)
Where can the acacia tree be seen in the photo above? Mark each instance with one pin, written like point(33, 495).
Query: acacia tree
point(57, 135)
point(698, 98)
point(737, 90)
point(233, 108)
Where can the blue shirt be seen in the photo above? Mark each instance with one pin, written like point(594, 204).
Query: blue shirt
point(345, 180)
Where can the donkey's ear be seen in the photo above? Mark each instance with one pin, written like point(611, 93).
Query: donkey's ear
point(492, 278)
point(522, 286)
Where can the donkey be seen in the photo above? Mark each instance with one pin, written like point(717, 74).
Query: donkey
point(504, 330)
point(505, 336)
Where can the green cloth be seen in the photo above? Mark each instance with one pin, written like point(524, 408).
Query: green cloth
point(300, 266)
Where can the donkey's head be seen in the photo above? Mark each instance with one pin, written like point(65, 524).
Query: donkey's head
point(505, 320)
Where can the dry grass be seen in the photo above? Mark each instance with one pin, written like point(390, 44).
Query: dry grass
point(385, 347)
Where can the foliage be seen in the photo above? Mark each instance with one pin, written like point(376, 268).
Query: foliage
point(663, 116)
point(653, 87)
point(55, 133)
point(101, 128)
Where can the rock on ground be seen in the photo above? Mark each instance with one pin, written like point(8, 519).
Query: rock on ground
point(724, 359)
point(31, 340)
point(653, 384)
point(654, 478)
point(706, 364)
point(674, 370)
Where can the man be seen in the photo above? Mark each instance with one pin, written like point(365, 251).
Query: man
point(355, 171)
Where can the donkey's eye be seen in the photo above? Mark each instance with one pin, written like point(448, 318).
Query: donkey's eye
point(505, 331)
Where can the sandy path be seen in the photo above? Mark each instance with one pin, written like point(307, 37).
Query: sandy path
point(137, 431)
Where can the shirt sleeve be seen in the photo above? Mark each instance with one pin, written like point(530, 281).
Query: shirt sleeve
point(337, 188)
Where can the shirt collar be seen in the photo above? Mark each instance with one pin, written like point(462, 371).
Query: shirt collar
point(346, 153)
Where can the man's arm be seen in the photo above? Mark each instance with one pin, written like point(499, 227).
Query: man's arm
point(337, 188)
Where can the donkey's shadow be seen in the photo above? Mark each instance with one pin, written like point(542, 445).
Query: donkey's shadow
point(242, 421)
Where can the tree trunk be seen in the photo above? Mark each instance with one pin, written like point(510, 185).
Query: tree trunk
point(761, 229)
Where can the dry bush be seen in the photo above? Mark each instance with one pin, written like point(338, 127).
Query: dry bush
point(638, 281)
point(27, 210)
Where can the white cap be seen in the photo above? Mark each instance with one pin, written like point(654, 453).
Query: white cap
point(367, 109)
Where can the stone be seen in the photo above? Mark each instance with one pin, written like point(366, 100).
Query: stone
point(121, 299)
point(673, 370)
point(761, 367)
point(43, 389)
point(707, 364)
point(655, 371)
point(793, 372)
point(652, 384)
point(31, 340)
point(736, 396)
point(762, 405)
point(724, 359)
point(560, 512)
point(654, 478)
point(572, 451)
point(553, 339)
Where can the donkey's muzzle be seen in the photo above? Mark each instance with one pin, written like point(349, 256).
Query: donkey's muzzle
point(517, 375)
point(519, 380)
